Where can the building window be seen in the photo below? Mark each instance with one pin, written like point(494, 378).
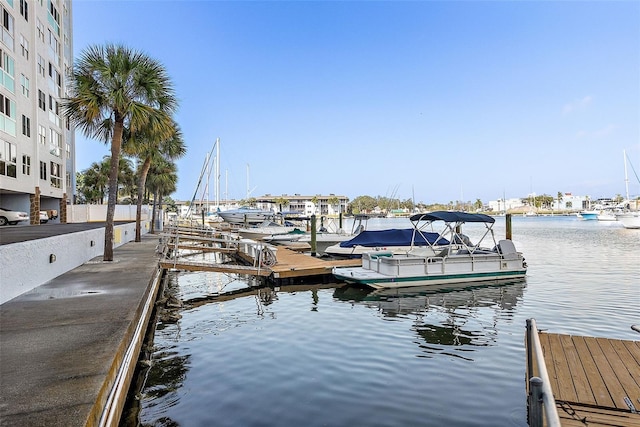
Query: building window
point(7, 65)
point(26, 165)
point(8, 159)
point(68, 150)
point(55, 80)
point(42, 135)
point(43, 171)
point(55, 143)
point(24, 82)
point(53, 111)
point(40, 29)
point(24, 46)
point(7, 28)
point(42, 100)
point(68, 180)
point(41, 66)
point(24, 9)
point(54, 46)
point(54, 17)
point(7, 115)
point(56, 175)
point(26, 126)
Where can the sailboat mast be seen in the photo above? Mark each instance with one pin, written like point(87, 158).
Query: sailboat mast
point(626, 177)
point(217, 182)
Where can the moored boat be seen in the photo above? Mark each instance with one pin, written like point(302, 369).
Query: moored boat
point(459, 260)
point(630, 219)
point(246, 214)
point(392, 240)
point(588, 215)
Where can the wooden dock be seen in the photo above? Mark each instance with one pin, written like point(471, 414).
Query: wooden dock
point(595, 381)
point(290, 266)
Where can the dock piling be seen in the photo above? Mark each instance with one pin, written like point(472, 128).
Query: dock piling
point(535, 402)
point(507, 219)
point(313, 235)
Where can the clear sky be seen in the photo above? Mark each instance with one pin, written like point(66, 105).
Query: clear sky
point(425, 100)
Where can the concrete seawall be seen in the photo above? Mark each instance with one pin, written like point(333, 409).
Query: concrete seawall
point(69, 347)
point(31, 263)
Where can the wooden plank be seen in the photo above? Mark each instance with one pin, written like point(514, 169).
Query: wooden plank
point(594, 417)
point(548, 357)
point(627, 372)
point(207, 249)
point(576, 371)
point(572, 415)
point(634, 349)
point(565, 391)
point(617, 377)
point(221, 268)
point(606, 372)
point(598, 388)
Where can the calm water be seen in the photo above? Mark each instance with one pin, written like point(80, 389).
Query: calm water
point(336, 356)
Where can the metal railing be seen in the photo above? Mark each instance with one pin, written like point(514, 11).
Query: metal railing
point(540, 395)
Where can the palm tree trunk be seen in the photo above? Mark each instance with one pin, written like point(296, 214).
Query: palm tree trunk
point(116, 144)
point(153, 212)
point(141, 184)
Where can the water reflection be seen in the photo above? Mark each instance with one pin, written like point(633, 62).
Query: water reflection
point(449, 321)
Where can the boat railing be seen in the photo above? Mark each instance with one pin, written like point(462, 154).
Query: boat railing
point(540, 396)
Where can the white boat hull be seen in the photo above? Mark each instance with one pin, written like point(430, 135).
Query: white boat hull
point(245, 217)
point(386, 270)
point(629, 219)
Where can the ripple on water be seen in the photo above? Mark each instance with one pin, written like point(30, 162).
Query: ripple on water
point(347, 357)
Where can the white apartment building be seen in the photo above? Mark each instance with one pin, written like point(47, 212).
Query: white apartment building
point(37, 150)
point(303, 204)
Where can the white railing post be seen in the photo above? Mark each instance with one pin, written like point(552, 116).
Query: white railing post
point(546, 395)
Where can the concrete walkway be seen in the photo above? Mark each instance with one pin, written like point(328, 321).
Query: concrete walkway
point(62, 345)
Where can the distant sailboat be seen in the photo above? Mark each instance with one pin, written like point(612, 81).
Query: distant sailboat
point(630, 217)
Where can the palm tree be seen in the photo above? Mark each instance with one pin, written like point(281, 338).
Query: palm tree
point(147, 147)
point(162, 180)
point(112, 87)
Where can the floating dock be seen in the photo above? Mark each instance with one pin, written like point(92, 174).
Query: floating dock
point(593, 381)
point(277, 264)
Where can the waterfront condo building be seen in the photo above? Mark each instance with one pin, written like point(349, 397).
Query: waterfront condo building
point(37, 153)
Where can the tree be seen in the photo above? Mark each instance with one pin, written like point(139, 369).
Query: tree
point(112, 87)
point(281, 201)
point(162, 180)
point(334, 201)
point(559, 195)
point(147, 146)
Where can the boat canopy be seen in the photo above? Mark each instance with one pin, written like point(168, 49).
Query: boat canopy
point(394, 237)
point(447, 216)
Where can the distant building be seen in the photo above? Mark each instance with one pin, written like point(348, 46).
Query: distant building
point(505, 205)
point(304, 205)
point(37, 148)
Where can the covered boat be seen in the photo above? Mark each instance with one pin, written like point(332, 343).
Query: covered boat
point(456, 261)
point(392, 240)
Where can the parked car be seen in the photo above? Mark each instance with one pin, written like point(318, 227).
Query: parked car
point(8, 216)
point(44, 217)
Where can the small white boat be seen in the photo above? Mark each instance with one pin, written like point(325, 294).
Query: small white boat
point(588, 214)
point(264, 230)
point(458, 262)
point(607, 215)
point(246, 215)
point(630, 219)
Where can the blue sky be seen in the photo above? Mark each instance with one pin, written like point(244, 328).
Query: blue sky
point(435, 101)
